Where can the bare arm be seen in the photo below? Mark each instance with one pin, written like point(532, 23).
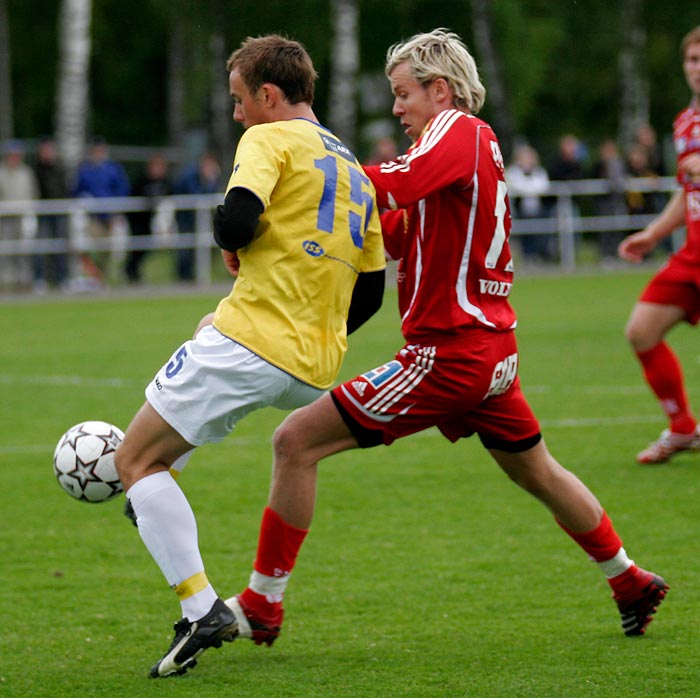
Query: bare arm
point(634, 247)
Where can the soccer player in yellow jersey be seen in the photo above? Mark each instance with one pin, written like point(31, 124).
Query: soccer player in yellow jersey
point(300, 230)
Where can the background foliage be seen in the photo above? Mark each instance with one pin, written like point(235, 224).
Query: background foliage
point(559, 58)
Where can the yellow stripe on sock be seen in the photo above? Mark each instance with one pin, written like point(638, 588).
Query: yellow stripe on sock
point(175, 473)
point(191, 586)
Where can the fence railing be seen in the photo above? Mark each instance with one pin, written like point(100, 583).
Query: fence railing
point(573, 211)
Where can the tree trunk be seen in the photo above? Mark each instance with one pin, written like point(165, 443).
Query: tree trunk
point(634, 100)
point(345, 63)
point(490, 69)
point(176, 84)
point(220, 101)
point(72, 94)
point(6, 124)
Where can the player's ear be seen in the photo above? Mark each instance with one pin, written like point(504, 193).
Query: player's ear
point(271, 94)
point(441, 90)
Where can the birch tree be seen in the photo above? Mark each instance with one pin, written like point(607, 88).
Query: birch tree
point(345, 64)
point(72, 85)
point(176, 82)
point(634, 87)
point(490, 60)
point(6, 127)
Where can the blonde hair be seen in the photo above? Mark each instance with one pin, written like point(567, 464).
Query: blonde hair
point(441, 54)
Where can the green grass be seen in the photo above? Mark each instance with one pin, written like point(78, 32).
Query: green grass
point(426, 573)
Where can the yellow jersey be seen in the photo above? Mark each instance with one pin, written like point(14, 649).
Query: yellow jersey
point(319, 229)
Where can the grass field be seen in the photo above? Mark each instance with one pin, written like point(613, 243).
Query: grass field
point(427, 573)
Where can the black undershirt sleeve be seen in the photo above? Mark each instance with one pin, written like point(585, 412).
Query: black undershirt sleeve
point(236, 219)
point(367, 298)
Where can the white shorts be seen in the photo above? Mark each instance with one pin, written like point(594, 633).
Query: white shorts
point(212, 382)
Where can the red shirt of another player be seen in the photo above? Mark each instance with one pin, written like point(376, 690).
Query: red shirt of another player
point(686, 139)
point(456, 269)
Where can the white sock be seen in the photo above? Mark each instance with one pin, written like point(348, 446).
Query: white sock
point(272, 588)
point(168, 529)
point(616, 565)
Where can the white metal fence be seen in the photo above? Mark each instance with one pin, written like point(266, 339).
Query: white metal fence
point(573, 211)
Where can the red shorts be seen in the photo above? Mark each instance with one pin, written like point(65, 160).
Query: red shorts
point(676, 283)
point(462, 387)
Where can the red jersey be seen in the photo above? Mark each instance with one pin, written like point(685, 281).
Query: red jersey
point(686, 139)
point(455, 270)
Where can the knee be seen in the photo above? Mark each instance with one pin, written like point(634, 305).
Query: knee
point(130, 468)
point(636, 336)
point(121, 463)
point(288, 444)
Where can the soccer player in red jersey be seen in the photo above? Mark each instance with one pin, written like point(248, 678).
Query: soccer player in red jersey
point(448, 224)
point(673, 294)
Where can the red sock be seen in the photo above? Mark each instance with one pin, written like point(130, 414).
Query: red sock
point(663, 373)
point(278, 545)
point(602, 543)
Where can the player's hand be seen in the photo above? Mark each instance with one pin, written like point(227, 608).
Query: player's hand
point(231, 262)
point(690, 164)
point(636, 246)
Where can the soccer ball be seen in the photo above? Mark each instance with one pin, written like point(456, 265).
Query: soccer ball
point(83, 461)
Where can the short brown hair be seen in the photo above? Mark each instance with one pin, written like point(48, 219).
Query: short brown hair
point(692, 37)
point(277, 60)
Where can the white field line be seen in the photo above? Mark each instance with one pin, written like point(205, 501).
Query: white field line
point(43, 449)
point(67, 381)
point(564, 423)
point(82, 381)
point(640, 389)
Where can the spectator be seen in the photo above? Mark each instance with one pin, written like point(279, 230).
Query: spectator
point(568, 164)
point(527, 182)
point(610, 166)
point(51, 269)
point(645, 136)
point(100, 177)
point(204, 177)
point(17, 183)
point(638, 167)
point(153, 184)
point(384, 150)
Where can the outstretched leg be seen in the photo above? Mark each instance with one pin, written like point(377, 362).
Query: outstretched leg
point(576, 509)
point(306, 436)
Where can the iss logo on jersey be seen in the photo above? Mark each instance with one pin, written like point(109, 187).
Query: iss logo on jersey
point(312, 248)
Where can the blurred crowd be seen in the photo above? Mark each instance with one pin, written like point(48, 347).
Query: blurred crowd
point(529, 181)
point(40, 175)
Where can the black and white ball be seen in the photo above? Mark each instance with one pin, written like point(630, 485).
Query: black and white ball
point(83, 461)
